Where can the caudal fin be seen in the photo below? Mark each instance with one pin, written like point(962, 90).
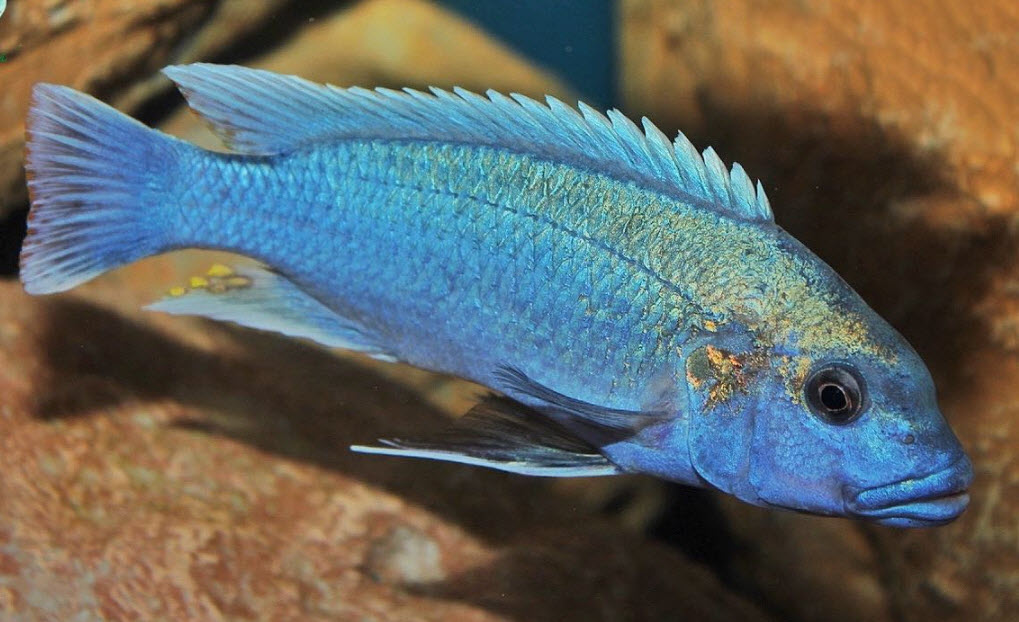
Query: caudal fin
point(94, 180)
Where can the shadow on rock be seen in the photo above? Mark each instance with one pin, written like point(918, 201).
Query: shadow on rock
point(284, 397)
point(12, 233)
point(892, 222)
point(302, 402)
point(623, 581)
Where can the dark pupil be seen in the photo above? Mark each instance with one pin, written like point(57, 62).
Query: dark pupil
point(835, 393)
point(834, 398)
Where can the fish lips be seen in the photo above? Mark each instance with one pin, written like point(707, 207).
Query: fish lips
point(926, 501)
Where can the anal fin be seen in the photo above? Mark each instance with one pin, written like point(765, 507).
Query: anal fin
point(502, 434)
point(260, 298)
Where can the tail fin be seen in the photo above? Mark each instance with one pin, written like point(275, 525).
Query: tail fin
point(93, 178)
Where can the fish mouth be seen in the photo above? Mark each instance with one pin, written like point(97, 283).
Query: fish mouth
point(926, 501)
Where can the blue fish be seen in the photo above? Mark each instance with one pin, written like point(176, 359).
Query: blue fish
point(631, 300)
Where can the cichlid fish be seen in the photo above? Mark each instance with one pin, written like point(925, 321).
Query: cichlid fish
point(632, 301)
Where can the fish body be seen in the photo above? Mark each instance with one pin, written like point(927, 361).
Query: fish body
point(633, 300)
point(450, 268)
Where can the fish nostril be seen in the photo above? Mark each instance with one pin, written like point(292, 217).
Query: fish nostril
point(909, 439)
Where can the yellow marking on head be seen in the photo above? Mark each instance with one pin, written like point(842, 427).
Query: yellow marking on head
point(727, 368)
point(219, 270)
point(722, 373)
point(694, 380)
point(178, 291)
point(198, 282)
point(710, 325)
point(794, 371)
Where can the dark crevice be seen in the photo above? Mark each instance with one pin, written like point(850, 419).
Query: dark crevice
point(692, 522)
point(279, 28)
point(183, 17)
point(12, 233)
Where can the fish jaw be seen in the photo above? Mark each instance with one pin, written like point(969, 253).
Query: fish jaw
point(926, 501)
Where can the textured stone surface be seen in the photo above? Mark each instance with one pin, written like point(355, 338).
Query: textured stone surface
point(156, 466)
point(170, 468)
point(107, 47)
point(165, 468)
point(886, 134)
point(943, 75)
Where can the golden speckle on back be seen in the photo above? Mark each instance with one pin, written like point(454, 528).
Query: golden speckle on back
point(237, 282)
point(219, 270)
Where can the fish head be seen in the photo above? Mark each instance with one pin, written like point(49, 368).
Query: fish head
point(840, 429)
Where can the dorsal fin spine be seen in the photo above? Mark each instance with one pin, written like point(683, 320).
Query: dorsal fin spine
point(259, 112)
point(763, 204)
point(691, 164)
point(742, 188)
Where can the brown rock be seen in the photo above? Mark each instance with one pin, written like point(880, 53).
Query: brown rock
point(944, 78)
point(159, 467)
point(170, 468)
point(106, 47)
point(394, 43)
point(405, 556)
point(885, 134)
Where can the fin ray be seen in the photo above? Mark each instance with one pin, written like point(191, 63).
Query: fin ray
point(260, 298)
point(502, 434)
point(263, 113)
point(90, 175)
point(611, 420)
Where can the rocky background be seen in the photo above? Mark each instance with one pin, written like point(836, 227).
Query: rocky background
point(166, 468)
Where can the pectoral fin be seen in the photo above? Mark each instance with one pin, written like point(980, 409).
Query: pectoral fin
point(502, 434)
point(260, 298)
point(618, 422)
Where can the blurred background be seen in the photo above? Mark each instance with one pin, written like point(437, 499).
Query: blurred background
point(172, 468)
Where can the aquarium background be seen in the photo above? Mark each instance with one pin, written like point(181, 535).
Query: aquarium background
point(170, 468)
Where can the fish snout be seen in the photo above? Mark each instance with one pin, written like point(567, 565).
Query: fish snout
point(933, 499)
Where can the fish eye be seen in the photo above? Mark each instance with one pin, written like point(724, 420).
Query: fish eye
point(835, 393)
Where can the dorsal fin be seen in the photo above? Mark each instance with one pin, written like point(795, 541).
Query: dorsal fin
point(260, 112)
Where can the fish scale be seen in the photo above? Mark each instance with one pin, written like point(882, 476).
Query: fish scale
point(403, 207)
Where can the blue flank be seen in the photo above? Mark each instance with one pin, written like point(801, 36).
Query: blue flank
point(632, 300)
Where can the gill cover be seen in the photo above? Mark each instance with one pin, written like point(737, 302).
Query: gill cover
point(721, 420)
point(723, 410)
